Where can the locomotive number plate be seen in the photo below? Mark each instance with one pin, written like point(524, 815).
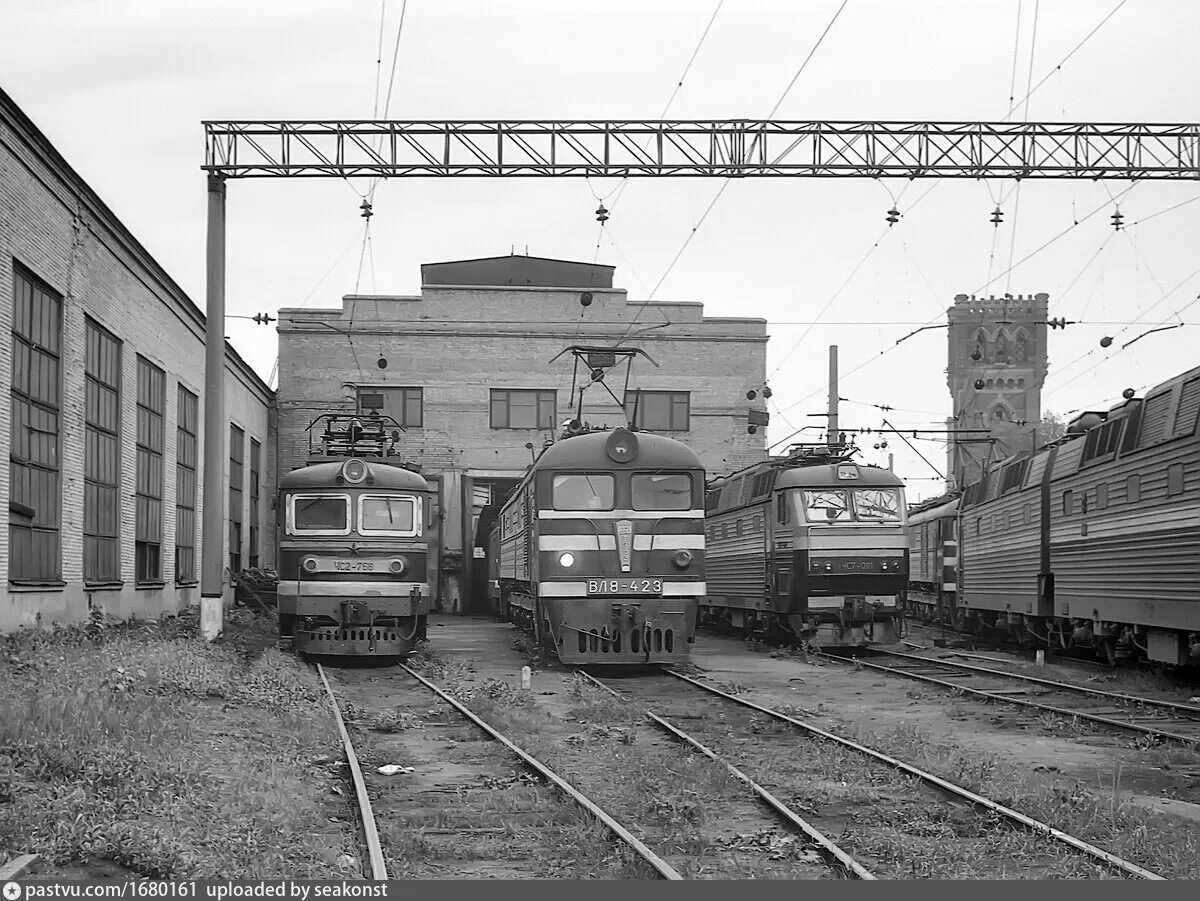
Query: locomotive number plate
point(337, 565)
point(624, 586)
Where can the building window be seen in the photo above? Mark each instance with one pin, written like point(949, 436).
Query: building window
point(520, 409)
point(185, 487)
point(659, 411)
point(1174, 479)
point(102, 463)
point(35, 494)
point(405, 405)
point(1068, 502)
point(237, 456)
point(151, 403)
point(1102, 496)
point(255, 469)
point(1133, 489)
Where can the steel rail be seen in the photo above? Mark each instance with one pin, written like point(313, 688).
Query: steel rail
point(834, 856)
point(959, 791)
point(996, 696)
point(1065, 686)
point(664, 869)
point(370, 832)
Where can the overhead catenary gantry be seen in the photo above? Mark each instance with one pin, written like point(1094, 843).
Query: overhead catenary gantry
point(723, 148)
point(728, 148)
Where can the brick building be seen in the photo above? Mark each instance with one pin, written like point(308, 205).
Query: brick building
point(466, 367)
point(997, 366)
point(102, 369)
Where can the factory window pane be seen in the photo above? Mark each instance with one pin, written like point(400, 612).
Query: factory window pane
point(659, 411)
point(185, 486)
point(102, 457)
point(237, 476)
point(522, 408)
point(35, 477)
point(151, 404)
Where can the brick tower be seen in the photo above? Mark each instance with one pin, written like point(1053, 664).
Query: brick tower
point(997, 366)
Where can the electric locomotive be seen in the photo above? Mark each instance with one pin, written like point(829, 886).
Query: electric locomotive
point(601, 548)
point(352, 545)
point(933, 561)
point(1094, 541)
point(810, 548)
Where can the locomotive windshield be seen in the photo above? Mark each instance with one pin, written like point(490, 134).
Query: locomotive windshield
point(662, 491)
point(877, 504)
point(583, 491)
point(386, 515)
point(319, 514)
point(826, 504)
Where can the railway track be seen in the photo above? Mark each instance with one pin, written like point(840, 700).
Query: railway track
point(842, 863)
point(370, 828)
point(956, 815)
point(1165, 720)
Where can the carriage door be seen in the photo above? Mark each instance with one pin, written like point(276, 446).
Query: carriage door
point(779, 551)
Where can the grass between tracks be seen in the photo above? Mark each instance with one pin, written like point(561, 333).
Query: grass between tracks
point(688, 809)
point(139, 749)
point(670, 791)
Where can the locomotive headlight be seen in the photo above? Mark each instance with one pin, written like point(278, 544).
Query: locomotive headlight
point(567, 560)
point(828, 567)
point(398, 565)
point(310, 565)
point(682, 558)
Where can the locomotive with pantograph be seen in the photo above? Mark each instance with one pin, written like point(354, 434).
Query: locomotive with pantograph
point(1091, 543)
point(352, 543)
point(810, 548)
point(600, 549)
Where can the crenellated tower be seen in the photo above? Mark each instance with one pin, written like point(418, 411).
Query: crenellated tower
point(997, 366)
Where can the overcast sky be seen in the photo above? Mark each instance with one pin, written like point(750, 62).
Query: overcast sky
point(122, 87)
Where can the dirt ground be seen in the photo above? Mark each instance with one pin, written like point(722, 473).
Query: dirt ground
point(837, 696)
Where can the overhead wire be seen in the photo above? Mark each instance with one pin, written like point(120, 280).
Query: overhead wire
point(783, 96)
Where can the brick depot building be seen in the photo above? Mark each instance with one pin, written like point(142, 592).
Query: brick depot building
point(469, 376)
point(102, 369)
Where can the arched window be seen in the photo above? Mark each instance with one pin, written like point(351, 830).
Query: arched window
point(981, 344)
point(1024, 347)
point(1001, 347)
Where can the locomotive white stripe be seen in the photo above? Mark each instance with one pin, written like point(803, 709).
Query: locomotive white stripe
point(609, 543)
point(835, 603)
point(620, 514)
point(579, 590)
point(318, 588)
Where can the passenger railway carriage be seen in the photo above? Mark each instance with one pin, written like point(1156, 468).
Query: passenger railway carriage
point(1094, 541)
point(811, 547)
point(601, 549)
point(352, 544)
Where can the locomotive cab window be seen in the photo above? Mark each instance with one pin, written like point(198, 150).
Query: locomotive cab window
point(661, 491)
point(826, 504)
point(583, 491)
point(381, 514)
point(318, 514)
point(877, 504)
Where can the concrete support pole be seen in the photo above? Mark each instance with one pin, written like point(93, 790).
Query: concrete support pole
point(833, 395)
point(212, 587)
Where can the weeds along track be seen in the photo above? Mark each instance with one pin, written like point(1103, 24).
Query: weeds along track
point(1165, 720)
point(894, 818)
point(449, 808)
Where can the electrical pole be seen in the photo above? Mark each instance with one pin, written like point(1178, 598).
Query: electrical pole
point(212, 546)
point(833, 395)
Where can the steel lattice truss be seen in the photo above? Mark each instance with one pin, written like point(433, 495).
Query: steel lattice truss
point(729, 148)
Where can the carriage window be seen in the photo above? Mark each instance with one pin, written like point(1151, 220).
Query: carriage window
point(783, 513)
point(319, 514)
point(826, 504)
point(662, 491)
point(877, 504)
point(580, 491)
point(387, 515)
